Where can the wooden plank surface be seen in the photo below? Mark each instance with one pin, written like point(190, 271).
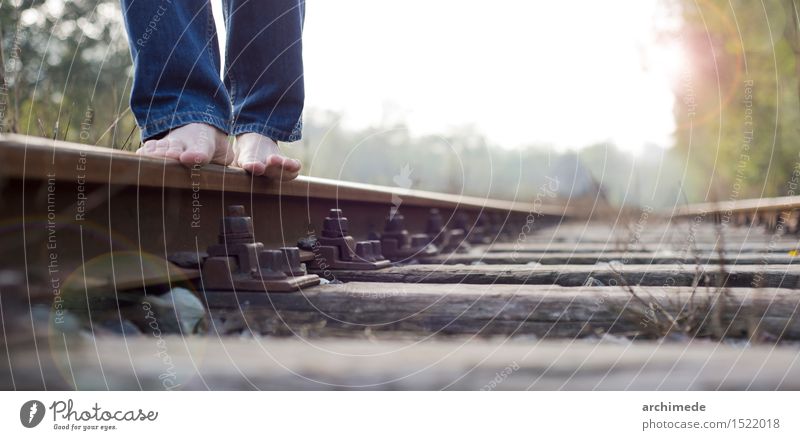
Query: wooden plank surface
point(663, 257)
point(545, 311)
point(266, 363)
point(678, 242)
point(654, 232)
point(536, 248)
point(787, 276)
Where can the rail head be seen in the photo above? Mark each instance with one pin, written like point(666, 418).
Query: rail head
point(35, 158)
point(745, 206)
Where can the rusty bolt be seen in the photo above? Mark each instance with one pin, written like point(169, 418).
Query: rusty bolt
point(377, 251)
point(364, 251)
point(335, 224)
point(460, 221)
point(270, 263)
point(435, 223)
point(420, 240)
point(236, 226)
point(483, 220)
point(236, 211)
point(395, 223)
point(290, 261)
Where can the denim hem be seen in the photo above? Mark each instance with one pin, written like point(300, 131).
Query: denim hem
point(273, 133)
point(154, 127)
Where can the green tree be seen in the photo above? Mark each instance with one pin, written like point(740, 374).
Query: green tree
point(737, 107)
point(66, 70)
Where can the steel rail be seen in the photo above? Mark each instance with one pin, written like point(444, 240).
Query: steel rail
point(749, 206)
point(110, 200)
point(28, 157)
point(773, 213)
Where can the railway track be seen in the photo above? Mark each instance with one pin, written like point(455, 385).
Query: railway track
point(321, 284)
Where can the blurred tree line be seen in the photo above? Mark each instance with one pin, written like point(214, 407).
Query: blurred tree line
point(465, 162)
point(67, 74)
point(66, 71)
point(738, 99)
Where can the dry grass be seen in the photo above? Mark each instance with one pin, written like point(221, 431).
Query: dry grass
point(698, 316)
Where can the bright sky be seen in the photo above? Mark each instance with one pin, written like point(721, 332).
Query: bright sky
point(561, 73)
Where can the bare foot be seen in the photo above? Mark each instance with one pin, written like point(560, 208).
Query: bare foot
point(260, 156)
point(192, 144)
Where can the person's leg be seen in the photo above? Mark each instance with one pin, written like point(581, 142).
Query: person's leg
point(178, 98)
point(264, 76)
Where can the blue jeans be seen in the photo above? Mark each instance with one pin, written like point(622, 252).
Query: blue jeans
point(176, 63)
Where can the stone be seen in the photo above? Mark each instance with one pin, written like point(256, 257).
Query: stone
point(177, 311)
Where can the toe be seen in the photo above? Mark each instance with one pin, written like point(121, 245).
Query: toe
point(192, 158)
point(260, 155)
point(197, 153)
point(291, 165)
point(274, 166)
point(248, 158)
point(253, 167)
point(283, 168)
